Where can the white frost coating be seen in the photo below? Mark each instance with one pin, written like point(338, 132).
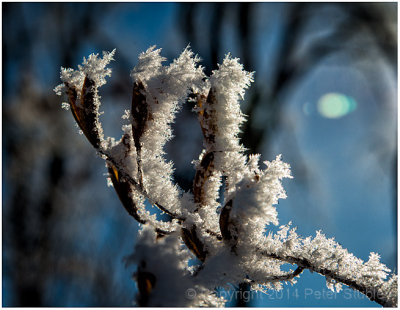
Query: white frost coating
point(95, 67)
point(325, 255)
point(260, 190)
point(149, 65)
point(229, 82)
point(151, 219)
point(254, 199)
point(167, 260)
point(166, 88)
point(231, 79)
point(229, 237)
point(92, 67)
point(228, 85)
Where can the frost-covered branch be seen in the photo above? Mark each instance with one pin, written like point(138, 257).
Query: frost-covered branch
point(328, 258)
point(227, 238)
point(384, 293)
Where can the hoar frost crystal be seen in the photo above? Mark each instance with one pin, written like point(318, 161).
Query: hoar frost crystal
point(229, 239)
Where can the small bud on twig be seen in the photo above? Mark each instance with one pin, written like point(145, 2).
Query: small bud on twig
point(192, 241)
point(86, 115)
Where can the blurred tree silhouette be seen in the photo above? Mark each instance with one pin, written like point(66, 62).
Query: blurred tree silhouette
point(41, 171)
point(49, 258)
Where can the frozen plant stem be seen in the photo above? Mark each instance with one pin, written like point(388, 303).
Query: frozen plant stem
point(229, 239)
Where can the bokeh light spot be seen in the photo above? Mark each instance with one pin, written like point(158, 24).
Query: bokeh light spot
point(335, 105)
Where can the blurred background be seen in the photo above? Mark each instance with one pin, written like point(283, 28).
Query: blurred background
point(325, 96)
